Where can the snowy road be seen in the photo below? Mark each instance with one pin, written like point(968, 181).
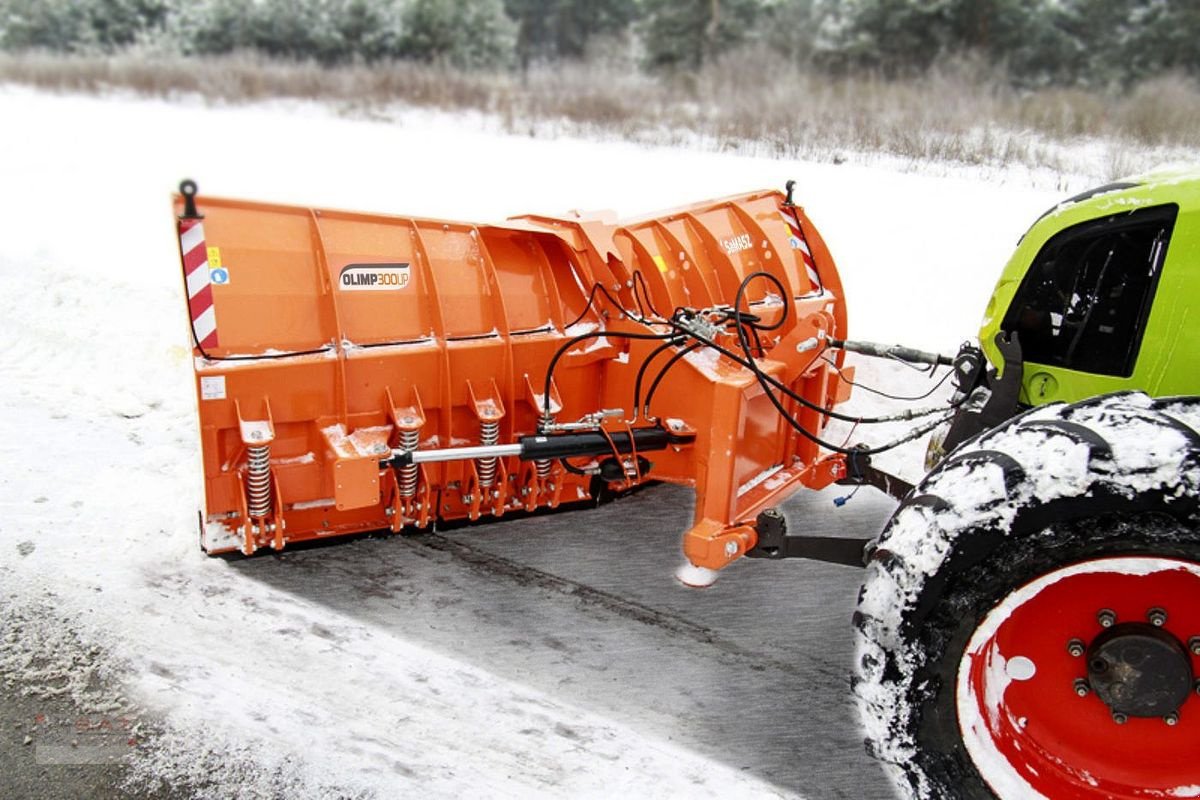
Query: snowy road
point(548, 656)
point(751, 673)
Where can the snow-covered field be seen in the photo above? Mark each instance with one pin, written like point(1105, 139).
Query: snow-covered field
point(252, 686)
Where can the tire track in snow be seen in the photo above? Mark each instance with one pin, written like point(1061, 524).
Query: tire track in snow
point(737, 696)
point(349, 705)
point(624, 607)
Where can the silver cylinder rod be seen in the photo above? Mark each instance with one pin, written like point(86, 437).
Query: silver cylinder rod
point(893, 351)
point(461, 453)
point(550, 446)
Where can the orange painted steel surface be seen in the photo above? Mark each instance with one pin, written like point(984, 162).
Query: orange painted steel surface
point(343, 337)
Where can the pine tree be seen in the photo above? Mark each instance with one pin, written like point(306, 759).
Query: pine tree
point(553, 29)
point(471, 34)
point(793, 28)
point(683, 34)
point(78, 25)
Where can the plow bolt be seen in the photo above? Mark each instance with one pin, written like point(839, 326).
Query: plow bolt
point(1172, 718)
point(1157, 617)
point(1076, 648)
point(1081, 687)
point(1119, 718)
point(1106, 618)
point(1194, 645)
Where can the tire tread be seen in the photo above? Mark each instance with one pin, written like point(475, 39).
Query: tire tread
point(918, 558)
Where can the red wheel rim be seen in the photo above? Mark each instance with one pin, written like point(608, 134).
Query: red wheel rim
point(1026, 728)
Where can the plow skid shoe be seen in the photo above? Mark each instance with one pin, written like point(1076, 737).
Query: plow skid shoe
point(359, 372)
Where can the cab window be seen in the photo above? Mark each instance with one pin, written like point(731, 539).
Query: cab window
point(1085, 301)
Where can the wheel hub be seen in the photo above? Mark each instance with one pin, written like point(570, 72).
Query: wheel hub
point(1077, 685)
point(1140, 670)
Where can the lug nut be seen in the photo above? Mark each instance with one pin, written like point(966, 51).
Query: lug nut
point(1172, 718)
point(1157, 617)
point(1119, 718)
point(1194, 645)
point(1081, 687)
point(1076, 648)
point(1106, 618)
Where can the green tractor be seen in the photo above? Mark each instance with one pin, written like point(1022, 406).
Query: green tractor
point(1029, 625)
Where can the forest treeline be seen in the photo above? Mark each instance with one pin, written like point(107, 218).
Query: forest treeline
point(1031, 43)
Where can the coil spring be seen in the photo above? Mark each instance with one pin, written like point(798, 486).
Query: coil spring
point(258, 481)
point(489, 434)
point(543, 465)
point(409, 472)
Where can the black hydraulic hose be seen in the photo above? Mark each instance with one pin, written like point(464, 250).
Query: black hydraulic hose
point(586, 307)
point(912, 399)
point(765, 381)
point(638, 277)
point(599, 287)
point(749, 364)
point(783, 294)
point(567, 345)
point(641, 373)
point(571, 468)
point(903, 353)
point(662, 373)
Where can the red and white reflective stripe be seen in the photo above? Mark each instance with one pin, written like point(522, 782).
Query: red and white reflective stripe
point(199, 288)
point(810, 266)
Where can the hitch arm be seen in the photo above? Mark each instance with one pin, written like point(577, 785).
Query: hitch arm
point(774, 543)
point(861, 472)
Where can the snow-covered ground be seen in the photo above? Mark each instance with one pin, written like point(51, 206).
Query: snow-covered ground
point(253, 686)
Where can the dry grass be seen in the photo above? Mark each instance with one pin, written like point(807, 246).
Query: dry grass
point(747, 101)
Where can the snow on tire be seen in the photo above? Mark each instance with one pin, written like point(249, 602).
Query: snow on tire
point(1014, 591)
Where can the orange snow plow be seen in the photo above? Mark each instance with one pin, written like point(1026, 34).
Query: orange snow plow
point(358, 372)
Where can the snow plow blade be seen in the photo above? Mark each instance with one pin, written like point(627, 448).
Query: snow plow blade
point(358, 372)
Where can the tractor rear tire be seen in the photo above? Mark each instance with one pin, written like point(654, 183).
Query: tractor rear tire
point(1035, 558)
